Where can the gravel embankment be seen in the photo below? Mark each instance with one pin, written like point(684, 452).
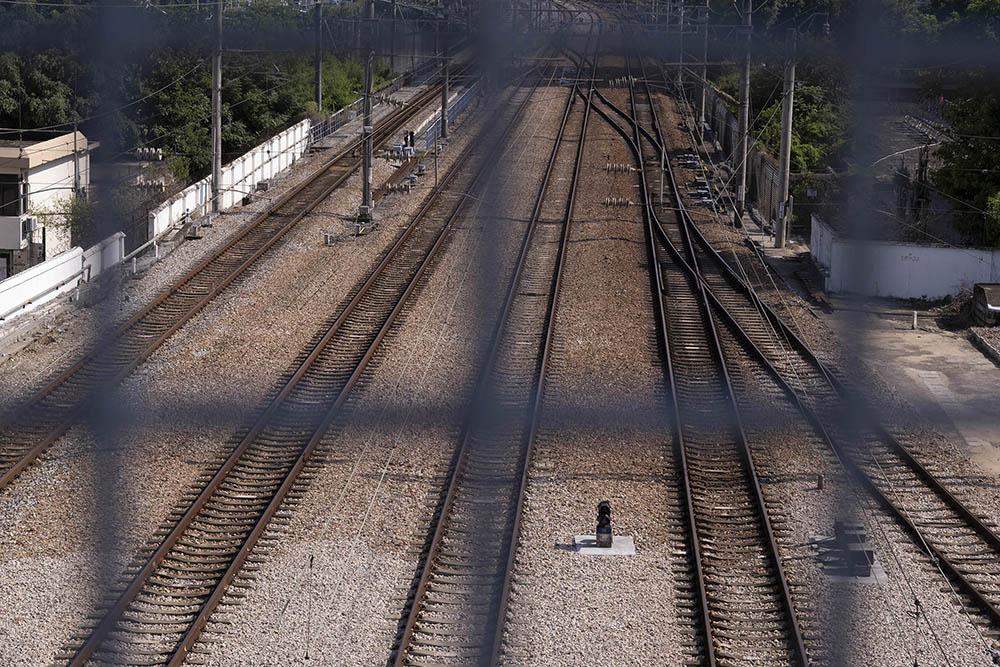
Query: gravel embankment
point(604, 436)
point(72, 330)
point(180, 408)
point(988, 337)
point(367, 510)
point(877, 618)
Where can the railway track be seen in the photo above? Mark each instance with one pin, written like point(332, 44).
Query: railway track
point(167, 599)
point(40, 421)
point(456, 612)
point(962, 544)
point(739, 591)
point(959, 542)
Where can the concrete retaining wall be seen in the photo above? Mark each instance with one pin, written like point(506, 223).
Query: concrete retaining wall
point(239, 178)
point(31, 288)
point(457, 103)
point(104, 255)
point(901, 270)
point(31, 283)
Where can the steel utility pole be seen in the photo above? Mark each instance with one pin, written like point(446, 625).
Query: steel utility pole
point(744, 119)
point(680, 49)
point(392, 38)
point(704, 72)
point(217, 111)
point(365, 212)
point(444, 89)
point(319, 57)
point(76, 164)
point(787, 106)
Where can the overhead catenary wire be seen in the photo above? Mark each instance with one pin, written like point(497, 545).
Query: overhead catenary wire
point(873, 522)
point(532, 124)
point(886, 603)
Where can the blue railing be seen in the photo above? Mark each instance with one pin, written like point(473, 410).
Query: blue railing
point(460, 104)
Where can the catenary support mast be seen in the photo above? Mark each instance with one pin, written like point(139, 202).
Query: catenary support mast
point(217, 111)
point(744, 118)
point(787, 106)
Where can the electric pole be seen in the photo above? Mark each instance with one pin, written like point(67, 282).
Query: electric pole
point(392, 39)
point(76, 164)
point(787, 107)
point(744, 119)
point(366, 25)
point(217, 111)
point(444, 89)
point(680, 49)
point(319, 57)
point(365, 212)
point(704, 72)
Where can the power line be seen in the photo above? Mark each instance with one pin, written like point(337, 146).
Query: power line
point(109, 112)
point(64, 5)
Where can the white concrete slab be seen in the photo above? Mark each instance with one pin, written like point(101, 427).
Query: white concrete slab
point(621, 545)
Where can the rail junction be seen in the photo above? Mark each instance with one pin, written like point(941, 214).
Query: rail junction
point(598, 129)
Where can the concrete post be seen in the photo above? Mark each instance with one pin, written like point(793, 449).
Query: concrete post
point(744, 118)
point(217, 111)
point(704, 71)
point(319, 57)
point(392, 39)
point(680, 48)
point(365, 212)
point(76, 165)
point(444, 90)
point(787, 107)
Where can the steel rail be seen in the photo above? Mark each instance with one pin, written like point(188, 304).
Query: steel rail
point(384, 131)
point(847, 459)
point(190, 637)
point(655, 230)
point(409, 630)
point(656, 287)
point(540, 388)
point(796, 631)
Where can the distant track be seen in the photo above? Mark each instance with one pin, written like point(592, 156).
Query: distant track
point(739, 590)
point(35, 425)
point(168, 601)
point(459, 603)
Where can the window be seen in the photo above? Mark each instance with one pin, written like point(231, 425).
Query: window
point(10, 194)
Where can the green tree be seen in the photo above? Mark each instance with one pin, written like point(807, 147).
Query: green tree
point(970, 157)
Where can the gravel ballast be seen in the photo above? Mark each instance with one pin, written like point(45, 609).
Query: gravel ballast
point(366, 513)
point(181, 408)
point(603, 436)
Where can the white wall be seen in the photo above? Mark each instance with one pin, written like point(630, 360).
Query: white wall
point(901, 270)
point(49, 187)
point(105, 254)
point(29, 283)
point(61, 275)
point(239, 178)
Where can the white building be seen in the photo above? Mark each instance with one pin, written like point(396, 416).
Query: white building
point(38, 178)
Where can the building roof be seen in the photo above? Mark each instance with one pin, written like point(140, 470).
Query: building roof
point(27, 154)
